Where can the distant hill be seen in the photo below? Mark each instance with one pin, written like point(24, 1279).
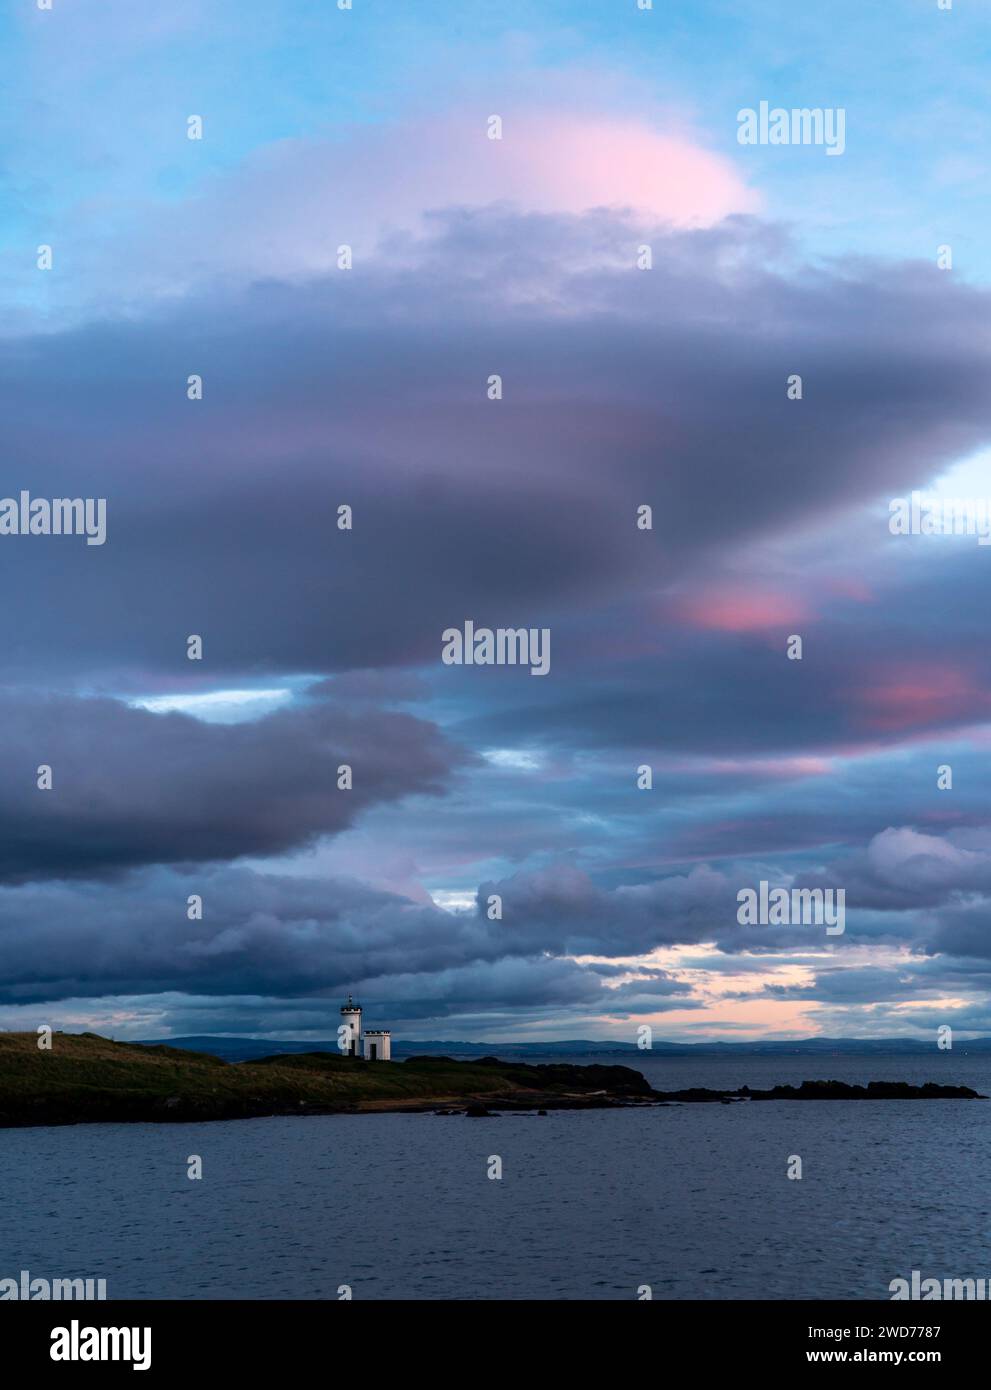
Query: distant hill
point(245, 1049)
point(233, 1049)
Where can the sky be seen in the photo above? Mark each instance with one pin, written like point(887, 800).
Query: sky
point(866, 273)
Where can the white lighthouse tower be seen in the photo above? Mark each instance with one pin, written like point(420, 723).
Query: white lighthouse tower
point(351, 1018)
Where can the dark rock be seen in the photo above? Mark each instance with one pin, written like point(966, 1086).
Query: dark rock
point(829, 1090)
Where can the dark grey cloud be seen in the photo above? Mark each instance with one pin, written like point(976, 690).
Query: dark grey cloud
point(963, 929)
point(131, 787)
point(862, 985)
point(263, 934)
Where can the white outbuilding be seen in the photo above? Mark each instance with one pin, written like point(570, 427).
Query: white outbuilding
point(378, 1045)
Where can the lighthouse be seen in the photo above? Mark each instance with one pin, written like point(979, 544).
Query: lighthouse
point(373, 1046)
point(351, 1019)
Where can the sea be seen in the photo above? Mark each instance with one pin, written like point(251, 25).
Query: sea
point(673, 1202)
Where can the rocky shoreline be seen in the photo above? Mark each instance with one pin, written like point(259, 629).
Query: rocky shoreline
point(809, 1090)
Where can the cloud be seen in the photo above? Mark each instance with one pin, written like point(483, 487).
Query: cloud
point(285, 940)
point(742, 611)
point(222, 513)
point(293, 202)
point(283, 211)
point(292, 944)
point(133, 788)
point(367, 387)
point(261, 934)
point(904, 871)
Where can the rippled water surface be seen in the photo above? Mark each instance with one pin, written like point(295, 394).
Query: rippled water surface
point(692, 1200)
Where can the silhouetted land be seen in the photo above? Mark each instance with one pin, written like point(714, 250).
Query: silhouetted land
point(88, 1079)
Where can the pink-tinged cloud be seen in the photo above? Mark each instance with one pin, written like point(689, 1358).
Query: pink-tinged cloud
point(784, 768)
point(379, 188)
point(386, 177)
point(571, 163)
point(911, 696)
point(740, 610)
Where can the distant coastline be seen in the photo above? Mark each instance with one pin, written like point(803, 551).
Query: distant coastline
point(239, 1049)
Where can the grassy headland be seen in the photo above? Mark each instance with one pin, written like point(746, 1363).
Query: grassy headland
point(86, 1078)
